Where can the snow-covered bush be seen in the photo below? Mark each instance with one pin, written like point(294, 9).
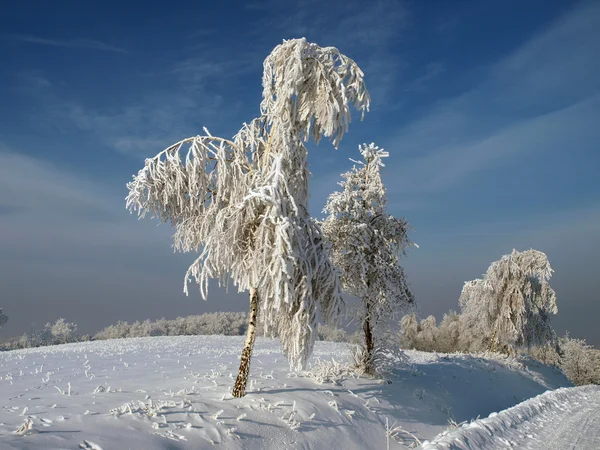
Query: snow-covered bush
point(62, 332)
point(329, 332)
point(409, 330)
point(117, 331)
point(512, 304)
point(428, 332)
point(579, 361)
point(548, 354)
point(452, 334)
point(37, 338)
point(425, 336)
point(324, 371)
point(367, 244)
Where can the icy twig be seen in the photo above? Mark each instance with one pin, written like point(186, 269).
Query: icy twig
point(25, 428)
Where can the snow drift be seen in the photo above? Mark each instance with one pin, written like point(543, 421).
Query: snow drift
point(564, 418)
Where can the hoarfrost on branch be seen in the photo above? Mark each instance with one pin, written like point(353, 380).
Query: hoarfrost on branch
point(243, 203)
point(368, 244)
point(512, 304)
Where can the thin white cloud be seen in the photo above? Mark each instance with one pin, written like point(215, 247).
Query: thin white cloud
point(131, 129)
point(196, 71)
point(368, 32)
point(447, 165)
point(432, 70)
point(86, 44)
point(146, 128)
point(155, 119)
point(51, 211)
point(31, 184)
point(536, 99)
point(32, 81)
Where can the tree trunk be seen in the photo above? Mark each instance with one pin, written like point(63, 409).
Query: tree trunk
point(492, 345)
point(369, 342)
point(239, 388)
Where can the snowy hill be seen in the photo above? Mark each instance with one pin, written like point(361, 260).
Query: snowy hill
point(172, 392)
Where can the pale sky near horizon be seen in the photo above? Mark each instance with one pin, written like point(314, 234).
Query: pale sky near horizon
point(489, 110)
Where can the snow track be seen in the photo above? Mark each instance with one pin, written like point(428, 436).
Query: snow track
point(567, 418)
point(579, 429)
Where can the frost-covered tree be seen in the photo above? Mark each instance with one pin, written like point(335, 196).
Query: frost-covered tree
point(426, 336)
point(367, 244)
point(243, 203)
point(409, 330)
point(3, 318)
point(448, 333)
point(512, 304)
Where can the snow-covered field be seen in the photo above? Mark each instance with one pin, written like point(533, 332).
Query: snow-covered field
point(173, 392)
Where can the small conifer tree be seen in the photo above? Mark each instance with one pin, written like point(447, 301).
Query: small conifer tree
point(367, 246)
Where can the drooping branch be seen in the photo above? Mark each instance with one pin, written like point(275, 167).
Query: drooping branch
point(176, 185)
point(513, 302)
point(314, 88)
point(244, 203)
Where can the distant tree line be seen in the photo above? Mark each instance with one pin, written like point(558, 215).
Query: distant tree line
point(215, 323)
point(578, 360)
point(224, 323)
point(59, 332)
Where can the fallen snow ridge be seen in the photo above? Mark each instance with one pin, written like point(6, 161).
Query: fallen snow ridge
point(555, 420)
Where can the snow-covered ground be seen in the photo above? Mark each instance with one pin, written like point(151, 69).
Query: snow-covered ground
point(567, 418)
point(173, 392)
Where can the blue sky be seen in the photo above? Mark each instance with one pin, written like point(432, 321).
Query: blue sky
point(489, 109)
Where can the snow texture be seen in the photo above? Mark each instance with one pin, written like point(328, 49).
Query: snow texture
point(555, 420)
point(173, 392)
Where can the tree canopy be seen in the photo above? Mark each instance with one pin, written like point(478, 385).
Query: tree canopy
point(512, 304)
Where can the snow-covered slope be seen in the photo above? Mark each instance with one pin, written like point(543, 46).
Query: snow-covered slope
point(555, 420)
point(172, 392)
